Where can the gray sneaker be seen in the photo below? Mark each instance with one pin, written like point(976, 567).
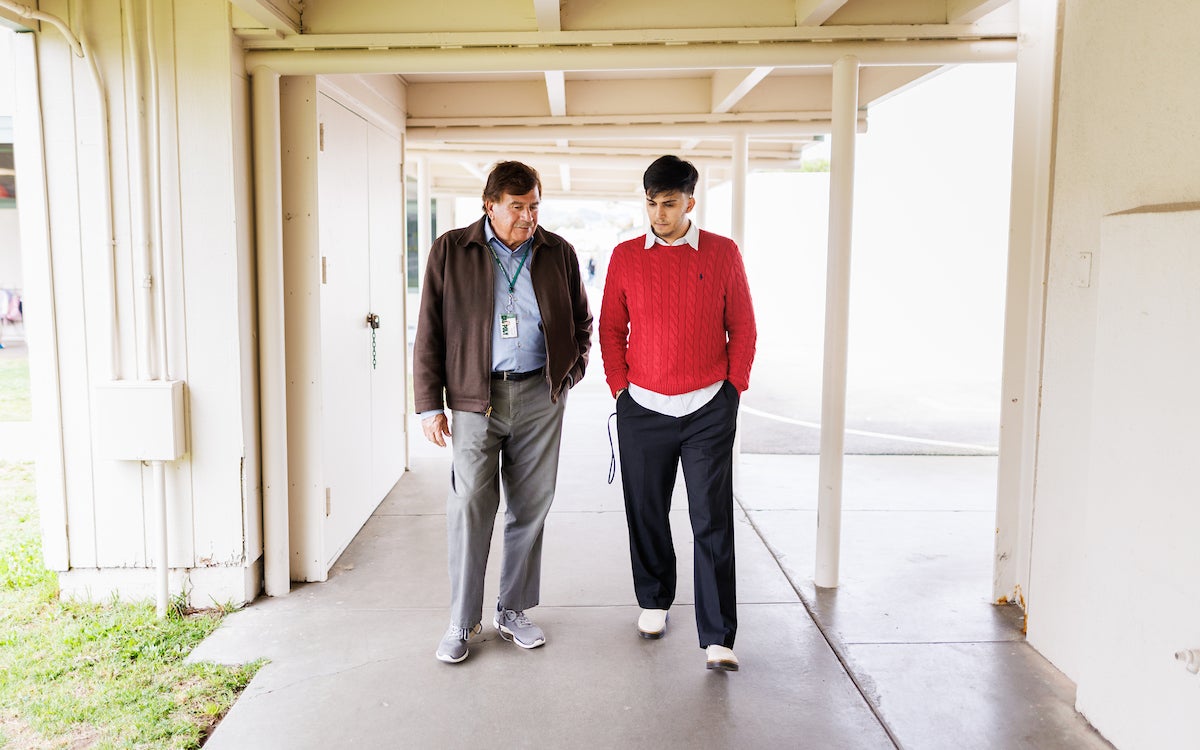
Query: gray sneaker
point(453, 647)
point(516, 627)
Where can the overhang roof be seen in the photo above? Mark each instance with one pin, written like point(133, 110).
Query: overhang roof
point(590, 92)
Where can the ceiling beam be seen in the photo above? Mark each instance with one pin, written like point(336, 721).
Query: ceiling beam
point(556, 92)
point(659, 57)
point(548, 18)
point(283, 20)
point(605, 163)
point(668, 131)
point(645, 153)
point(730, 86)
point(641, 119)
point(816, 12)
point(469, 167)
point(970, 11)
point(618, 37)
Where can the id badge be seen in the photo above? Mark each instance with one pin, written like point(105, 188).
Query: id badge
point(508, 326)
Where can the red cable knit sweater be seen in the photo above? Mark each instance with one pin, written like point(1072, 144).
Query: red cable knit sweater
point(676, 319)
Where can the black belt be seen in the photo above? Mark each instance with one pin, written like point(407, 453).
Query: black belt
point(513, 375)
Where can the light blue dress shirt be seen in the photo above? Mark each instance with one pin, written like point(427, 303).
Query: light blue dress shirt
point(528, 350)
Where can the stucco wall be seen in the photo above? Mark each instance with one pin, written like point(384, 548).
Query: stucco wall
point(1125, 138)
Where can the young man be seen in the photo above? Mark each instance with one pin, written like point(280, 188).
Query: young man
point(677, 335)
point(503, 334)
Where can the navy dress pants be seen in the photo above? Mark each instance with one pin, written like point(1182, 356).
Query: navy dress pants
point(652, 447)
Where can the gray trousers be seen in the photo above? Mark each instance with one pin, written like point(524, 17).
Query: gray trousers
point(517, 444)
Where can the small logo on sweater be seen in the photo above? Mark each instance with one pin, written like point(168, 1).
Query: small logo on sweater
point(702, 277)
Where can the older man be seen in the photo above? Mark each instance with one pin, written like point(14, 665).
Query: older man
point(503, 334)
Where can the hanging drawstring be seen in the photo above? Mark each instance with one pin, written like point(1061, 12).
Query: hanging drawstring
point(612, 464)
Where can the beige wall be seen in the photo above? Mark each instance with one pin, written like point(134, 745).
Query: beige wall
point(105, 506)
point(1125, 138)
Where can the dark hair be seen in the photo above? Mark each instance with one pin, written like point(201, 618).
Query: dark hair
point(510, 177)
point(670, 173)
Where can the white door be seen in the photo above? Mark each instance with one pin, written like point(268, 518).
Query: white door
point(345, 299)
point(389, 387)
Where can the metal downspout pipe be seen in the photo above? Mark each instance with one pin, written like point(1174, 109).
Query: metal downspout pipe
point(837, 319)
point(145, 204)
point(159, 321)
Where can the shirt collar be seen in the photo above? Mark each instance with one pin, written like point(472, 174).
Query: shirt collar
point(690, 237)
point(489, 234)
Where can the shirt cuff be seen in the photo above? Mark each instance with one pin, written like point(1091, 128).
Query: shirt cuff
point(431, 413)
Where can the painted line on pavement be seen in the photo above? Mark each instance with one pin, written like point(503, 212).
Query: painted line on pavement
point(864, 433)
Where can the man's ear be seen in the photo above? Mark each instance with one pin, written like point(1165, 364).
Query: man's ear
point(690, 204)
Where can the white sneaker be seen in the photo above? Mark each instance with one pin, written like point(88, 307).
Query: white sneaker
point(721, 658)
point(652, 623)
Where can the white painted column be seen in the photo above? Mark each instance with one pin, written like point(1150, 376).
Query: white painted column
point(424, 209)
point(447, 217)
point(268, 220)
point(700, 214)
point(741, 163)
point(837, 319)
point(737, 227)
point(1024, 313)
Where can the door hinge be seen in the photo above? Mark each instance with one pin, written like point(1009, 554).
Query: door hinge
point(328, 502)
point(321, 136)
point(324, 279)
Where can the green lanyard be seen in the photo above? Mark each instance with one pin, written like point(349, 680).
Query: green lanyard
point(512, 280)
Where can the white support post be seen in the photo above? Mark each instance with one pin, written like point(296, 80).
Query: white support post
point(737, 227)
point(700, 215)
point(741, 162)
point(264, 92)
point(446, 215)
point(424, 209)
point(1024, 309)
point(837, 319)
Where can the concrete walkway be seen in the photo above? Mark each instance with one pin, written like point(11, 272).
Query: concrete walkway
point(907, 652)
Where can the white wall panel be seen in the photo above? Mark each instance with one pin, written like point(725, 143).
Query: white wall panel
point(58, 76)
point(171, 285)
point(42, 327)
point(1139, 538)
point(1126, 85)
point(210, 269)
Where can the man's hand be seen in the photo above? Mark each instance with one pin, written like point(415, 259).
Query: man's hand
point(436, 429)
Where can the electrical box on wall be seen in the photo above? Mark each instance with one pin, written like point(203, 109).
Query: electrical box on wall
point(140, 420)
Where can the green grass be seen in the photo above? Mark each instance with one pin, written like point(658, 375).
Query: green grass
point(107, 675)
point(14, 390)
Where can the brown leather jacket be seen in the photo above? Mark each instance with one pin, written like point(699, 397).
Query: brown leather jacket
point(453, 351)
